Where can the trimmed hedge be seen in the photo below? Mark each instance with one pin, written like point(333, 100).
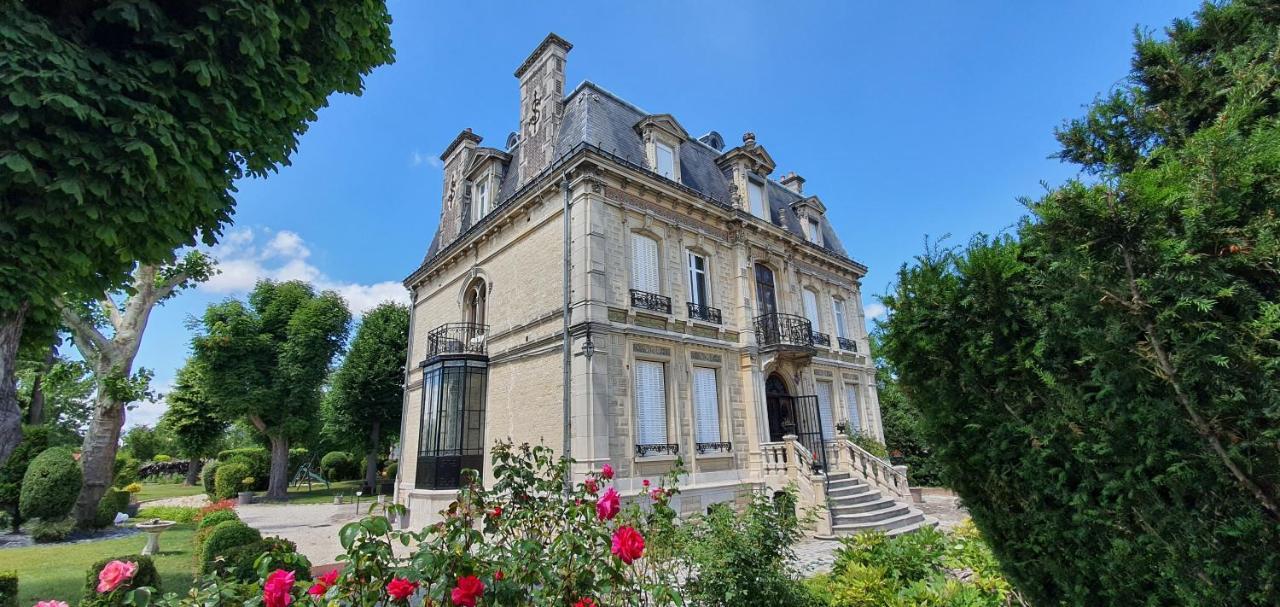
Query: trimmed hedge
point(339, 466)
point(51, 485)
point(227, 482)
point(208, 475)
point(177, 514)
point(113, 502)
point(258, 460)
point(8, 589)
point(218, 516)
point(240, 559)
point(48, 531)
point(224, 536)
point(145, 576)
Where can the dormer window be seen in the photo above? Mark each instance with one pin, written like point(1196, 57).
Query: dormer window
point(756, 198)
point(479, 200)
point(664, 159)
point(662, 137)
point(815, 231)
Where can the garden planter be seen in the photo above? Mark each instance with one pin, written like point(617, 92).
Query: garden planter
point(245, 498)
point(132, 509)
point(337, 500)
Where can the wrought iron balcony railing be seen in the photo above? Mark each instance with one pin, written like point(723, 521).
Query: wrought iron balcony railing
point(848, 344)
point(657, 449)
point(821, 339)
point(718, 447)
point(458, 338)
point(704, 313)
point(784, 331)
point(650, 301)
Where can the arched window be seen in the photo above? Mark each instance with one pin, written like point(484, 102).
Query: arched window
point(473, 302)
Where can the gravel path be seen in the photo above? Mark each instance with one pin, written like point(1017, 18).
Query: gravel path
point(188, 501)
point(313, 527)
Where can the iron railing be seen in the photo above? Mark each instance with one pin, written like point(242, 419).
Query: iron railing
point(458, 338)
point(717, 447)
point(784, 330)
point(704, 313)
point(657, 449)
point(848, 344)
point(821, 339)
point(650, 301)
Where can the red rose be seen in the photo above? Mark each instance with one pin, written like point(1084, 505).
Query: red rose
point(496, 512)
point(608, 505)
point(498, 575)
point(469, 589)
point(277, 589)
point(606, 472)
point(628, 544)
point(645, 482)
point(585, 602)
point(656, 494)
point(591, 486)
point(323, 583)
point(399, 588)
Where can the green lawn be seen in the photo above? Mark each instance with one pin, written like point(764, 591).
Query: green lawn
point(58, 571)
point(320, 495)
point(157, 491)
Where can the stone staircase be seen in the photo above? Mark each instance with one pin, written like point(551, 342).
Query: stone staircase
point(857, 507)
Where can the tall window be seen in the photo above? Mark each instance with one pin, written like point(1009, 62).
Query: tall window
point(811, 309)
point(824, 410)
point(480, 200)
point(706, 405)
point(651, 403)
point(698, 284)
point(644, 263)
point(474, 302)
point(666, 160)
point(815, 232)
point(755, 197)
point(851, 401)
point(837, 307)
point(451, 438)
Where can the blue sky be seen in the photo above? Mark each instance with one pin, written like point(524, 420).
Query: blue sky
point(907, 118)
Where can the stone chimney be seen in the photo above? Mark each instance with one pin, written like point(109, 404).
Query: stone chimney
point(793, 182)
point(456, 157)
point(541, 104)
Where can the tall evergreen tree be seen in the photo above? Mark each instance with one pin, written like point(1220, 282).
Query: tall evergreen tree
point(192, 419)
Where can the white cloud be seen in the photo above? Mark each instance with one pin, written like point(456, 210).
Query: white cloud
point(418, 159)
point(284, 256)
point(148, 412)
point(875, 311)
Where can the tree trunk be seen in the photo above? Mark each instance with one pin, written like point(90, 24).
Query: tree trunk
point(35, 412)
point(371, 461)
point(193, 472)
point(10, 413)
point(98, 454)
point(278, 488)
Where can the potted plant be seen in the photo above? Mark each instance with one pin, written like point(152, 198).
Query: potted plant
point(133, 489)
point(246, 493)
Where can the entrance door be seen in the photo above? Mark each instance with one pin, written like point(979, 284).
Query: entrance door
point(798, 415)
point(782, 415)
point(766, 303)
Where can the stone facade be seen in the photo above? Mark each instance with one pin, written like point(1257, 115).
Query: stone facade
point(512, 252)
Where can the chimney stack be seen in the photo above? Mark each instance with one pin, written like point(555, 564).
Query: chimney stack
point(541, 104)
point(793, 182)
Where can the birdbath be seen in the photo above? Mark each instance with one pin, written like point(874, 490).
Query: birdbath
point(153, 528)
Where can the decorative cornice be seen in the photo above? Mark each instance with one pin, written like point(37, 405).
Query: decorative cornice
point(551, 39)
point(466, 134)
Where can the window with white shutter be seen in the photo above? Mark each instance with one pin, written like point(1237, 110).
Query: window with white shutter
point(755, 197)
point(706, 405)
point(698, 291)
point(837, 307)
point(851, 401)
point(824, 410)
point(644, 263)
point(651, 403)
point(666, 160)
point(811, 309)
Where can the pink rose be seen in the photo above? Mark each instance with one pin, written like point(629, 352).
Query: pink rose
point(608, 505)
point(657, 494)
point(277, 591)
point(400, 589)
point(51, 604)
point(469, 589)
point(606, 472)
point(628, 544)
point(590, 485)
point(114, 574)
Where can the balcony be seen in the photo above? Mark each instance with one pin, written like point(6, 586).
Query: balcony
point(457, 338)
point(821, 339)
point(847, 344)
point(645, 300)
point(657, 449)
point(704, 313)
point(784, 333)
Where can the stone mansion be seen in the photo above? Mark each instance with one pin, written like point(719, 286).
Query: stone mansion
point(709, 309)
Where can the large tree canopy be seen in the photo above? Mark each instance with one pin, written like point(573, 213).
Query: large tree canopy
point(124, 125)
point(1104, 385)
point(266, 362)
point(363, 406)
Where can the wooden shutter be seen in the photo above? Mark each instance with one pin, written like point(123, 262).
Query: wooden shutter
point(837, 307)
point(706, 405)
point(811, 309)
point(851, 400)
point(644, 263)
point(651, 403)
point(824, 410)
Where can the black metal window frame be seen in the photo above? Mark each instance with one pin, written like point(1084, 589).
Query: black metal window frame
point(657, 449)
point(451, 437)
point(821, 339)
point(715, 447)
point(650, 301)
point(848, 344)
point(705, 313)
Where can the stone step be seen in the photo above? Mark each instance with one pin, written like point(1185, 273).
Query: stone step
point(854, 497)
point(884, 513)
point(845, 482)
point(839, 476)
point(910, 517)
point(839, 508)
point(839, 493)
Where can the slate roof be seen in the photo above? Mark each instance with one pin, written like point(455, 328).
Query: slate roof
point(595, 116)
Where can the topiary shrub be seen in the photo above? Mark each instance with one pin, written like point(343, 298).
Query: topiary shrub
point(113, 502)
point(218, 516)
point(258, 460)
point(51, 485)
point(126, 470)
point(224, 536)
point(227, 481)
point(8, 589)
point(208, 476)
point(53, 530)
point(339, 466)
point(146, 575)
point(35, 439)
point(390, 471)
point(239, 561)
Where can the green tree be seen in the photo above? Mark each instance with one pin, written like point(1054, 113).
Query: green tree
point(266, 362)
point(903, 422)
point(126, 124)
point(363, 406)
point(144, 442)
point(1103, 386)
point(193, 420)
point(58, 393)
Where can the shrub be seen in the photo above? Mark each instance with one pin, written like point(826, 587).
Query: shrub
point(225, 535)
point(216, 517)
point(35, 439)
point(146, 575)
point(339, 466)
point(8, 589)
point(208, 475)
point(51, 485)
point(46, 531)
point(868, 443)
point(178, 514)
point(258, 460)
point(390, 471)
point(228, 480)
point(126, 471)
point(161, 458)
point(114, 501)
point(238, 562)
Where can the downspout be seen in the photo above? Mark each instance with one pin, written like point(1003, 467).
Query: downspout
point(567, 346)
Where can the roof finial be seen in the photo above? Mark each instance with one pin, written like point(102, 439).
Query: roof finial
point(749, 138)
